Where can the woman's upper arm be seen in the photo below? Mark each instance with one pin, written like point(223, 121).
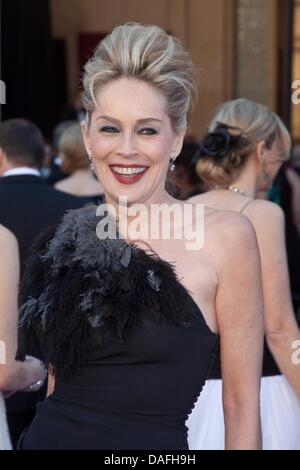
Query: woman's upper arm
point(9, 279)
point(269, 223)
point(239, 306)
point(294, 181)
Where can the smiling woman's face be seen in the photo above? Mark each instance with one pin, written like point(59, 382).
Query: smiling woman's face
point(131, 140)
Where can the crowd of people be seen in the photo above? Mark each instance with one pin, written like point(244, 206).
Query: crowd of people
point(128, 339)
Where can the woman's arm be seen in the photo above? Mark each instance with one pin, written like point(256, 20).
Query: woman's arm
point(51, 383)
point(294, 180)
point(14, 375)
point(280, 322)
point(239, 306)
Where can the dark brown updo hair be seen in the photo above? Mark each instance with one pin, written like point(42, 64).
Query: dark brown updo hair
point(233, 135)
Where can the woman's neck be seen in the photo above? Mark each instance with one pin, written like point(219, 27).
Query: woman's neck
point(86, 172)
point(159, 197)
point(244, 187)
point(140, 211)
point(246, 183)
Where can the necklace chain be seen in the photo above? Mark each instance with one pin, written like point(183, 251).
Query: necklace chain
point(236, 190)
point(231, 188)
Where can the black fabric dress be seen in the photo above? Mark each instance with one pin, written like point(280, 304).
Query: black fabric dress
point(129, 347)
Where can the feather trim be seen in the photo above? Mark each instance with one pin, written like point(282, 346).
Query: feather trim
point(75, 283)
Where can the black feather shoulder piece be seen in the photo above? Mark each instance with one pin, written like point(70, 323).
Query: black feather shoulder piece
point(75, 283)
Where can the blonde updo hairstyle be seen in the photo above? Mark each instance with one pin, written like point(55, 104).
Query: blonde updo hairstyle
point(72, 150)
point(250, 123)
point(146, 53)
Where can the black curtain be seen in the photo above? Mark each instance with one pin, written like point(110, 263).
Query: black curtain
point(27, 62)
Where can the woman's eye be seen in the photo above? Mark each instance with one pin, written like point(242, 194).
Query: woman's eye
point(148, 131)
point(109, 129)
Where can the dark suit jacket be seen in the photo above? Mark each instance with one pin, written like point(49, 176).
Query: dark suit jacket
point(27, 206)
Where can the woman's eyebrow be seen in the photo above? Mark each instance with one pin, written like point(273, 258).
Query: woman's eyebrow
point(141, 121)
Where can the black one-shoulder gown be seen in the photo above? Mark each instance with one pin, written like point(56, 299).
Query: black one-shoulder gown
point(129, 346)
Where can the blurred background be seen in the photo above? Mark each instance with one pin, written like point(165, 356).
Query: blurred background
point(248, 48)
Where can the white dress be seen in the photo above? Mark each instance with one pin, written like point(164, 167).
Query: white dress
point(280, 416)
point(4, 436)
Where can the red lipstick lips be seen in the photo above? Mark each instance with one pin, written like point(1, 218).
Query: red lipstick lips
point(128, 174)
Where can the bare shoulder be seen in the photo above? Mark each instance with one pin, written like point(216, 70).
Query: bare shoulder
point(230, 225)
point(7, 238)
point(265, 215)
point(196, 199)
point(263, 207)
point(224, 227)
point(229, 236)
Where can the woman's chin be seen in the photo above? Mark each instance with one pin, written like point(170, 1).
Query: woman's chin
point(125, 197)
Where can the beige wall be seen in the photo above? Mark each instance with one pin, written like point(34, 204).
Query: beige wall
point(206, 27)
point(210, 38)
point(257, 47)
point(70, 17)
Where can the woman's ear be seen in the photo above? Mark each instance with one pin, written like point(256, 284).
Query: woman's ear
point(178, 142)
point(3, 161)
point(260, 152)
point(85, 136)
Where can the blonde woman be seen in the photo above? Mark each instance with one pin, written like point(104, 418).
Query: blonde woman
point(75, 162)
point(130, 328)
point(241, 154)
point(14, 376)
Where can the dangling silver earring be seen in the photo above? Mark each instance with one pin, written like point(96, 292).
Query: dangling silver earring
point(172, 164)
point(266, 178)
point(91, 164)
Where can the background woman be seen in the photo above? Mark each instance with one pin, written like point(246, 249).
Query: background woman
point(14, 375)
point(245, 146)
point(74, 161)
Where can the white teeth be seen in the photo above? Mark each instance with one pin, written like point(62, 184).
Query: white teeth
point(128, 171)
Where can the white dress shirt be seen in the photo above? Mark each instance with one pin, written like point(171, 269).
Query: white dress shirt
point(22, 170)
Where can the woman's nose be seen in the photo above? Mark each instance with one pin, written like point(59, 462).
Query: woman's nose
point(127, 146)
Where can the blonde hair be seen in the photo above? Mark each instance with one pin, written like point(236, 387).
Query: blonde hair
point(72, 150)
point(254, 123)
point(146, 53)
